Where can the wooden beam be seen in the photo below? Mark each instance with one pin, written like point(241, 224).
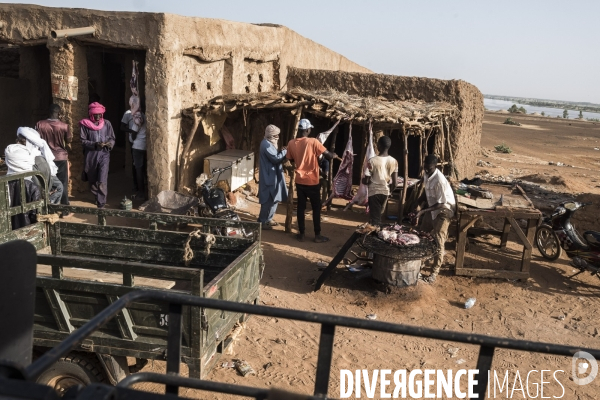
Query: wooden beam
point(186, 149)
point(290, 202)
point(461, 241)
point(520, 189)
point(505, 232)
point(421, 157)
point(469, 224)
point(405, 173)
point(330, 172)
point(526, 242)
point(453, 170)
point(530, 232)
point(336, 260)
point(442, 151)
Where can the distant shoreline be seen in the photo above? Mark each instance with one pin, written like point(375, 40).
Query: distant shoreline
point(569, 105)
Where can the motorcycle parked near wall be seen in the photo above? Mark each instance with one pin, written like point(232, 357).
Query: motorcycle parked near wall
point(215, 204)
point(556, 233)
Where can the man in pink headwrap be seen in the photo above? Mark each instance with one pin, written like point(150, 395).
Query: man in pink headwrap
point(97, 139)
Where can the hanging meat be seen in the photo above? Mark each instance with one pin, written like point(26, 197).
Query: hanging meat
point(342, 182)
point(361, 197)
point(134, 100)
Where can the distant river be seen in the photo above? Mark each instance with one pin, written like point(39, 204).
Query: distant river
point(494, 105)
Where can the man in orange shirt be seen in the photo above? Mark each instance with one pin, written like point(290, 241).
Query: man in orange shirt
point(304, 152)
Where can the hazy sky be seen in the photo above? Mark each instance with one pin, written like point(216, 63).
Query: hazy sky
point(545, 49)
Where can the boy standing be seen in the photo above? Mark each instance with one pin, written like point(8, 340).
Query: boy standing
point(381, 177)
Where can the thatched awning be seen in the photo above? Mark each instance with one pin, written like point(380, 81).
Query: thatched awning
point(412, 116)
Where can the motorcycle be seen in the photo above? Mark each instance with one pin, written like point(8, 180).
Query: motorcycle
point(214, 204)
point(556, 233)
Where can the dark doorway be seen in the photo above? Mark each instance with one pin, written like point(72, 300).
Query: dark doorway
point(109, 72)
point(25, 87)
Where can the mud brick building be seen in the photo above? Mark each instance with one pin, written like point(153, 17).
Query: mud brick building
point(183, 61)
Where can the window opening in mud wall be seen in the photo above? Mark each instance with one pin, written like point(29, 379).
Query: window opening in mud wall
point(109, 72)
point(25, 87)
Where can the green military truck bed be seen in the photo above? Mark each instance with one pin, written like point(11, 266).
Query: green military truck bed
point(83, 267)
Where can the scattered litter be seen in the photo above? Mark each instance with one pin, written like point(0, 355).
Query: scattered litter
point(461, 361)
point(241, 204)
point(233, 336)
point(244, 368)
point(267, 365)
point(470, 302)
point(453, 351)
point(322, 264)
point(596, 148)
point(561, 318)
point(228, 364)
point(372, 316)
point(280, 341)
point(355, 267)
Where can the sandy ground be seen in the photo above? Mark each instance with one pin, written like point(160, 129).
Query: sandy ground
point(549, 307)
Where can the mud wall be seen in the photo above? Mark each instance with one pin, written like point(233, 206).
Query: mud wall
point(187, 60)
point(465, 128)
point(223, 57)
point(68, 58)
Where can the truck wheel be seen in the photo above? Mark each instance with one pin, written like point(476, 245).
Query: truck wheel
point(74, 369)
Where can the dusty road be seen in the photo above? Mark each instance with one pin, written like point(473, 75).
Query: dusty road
point(284, 353)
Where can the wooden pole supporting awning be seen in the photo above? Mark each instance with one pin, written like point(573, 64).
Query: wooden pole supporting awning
point(412, 118)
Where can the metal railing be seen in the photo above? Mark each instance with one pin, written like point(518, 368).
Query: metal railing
point(488, 344)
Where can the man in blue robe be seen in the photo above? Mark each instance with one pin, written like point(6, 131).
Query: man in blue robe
point(271, 182)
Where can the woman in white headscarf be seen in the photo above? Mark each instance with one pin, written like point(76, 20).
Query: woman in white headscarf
point(271, 183)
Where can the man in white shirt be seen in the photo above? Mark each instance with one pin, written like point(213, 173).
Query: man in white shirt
point(381, 177)
point(135, 125)
point(441, 206)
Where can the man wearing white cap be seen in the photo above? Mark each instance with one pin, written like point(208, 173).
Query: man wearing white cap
point(271, 182)
point(304, 152)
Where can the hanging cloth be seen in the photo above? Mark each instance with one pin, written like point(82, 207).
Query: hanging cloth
point(134, 100)
point(342, 182)
point(361, 197)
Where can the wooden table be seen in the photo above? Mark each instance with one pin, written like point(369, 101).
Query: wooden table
point(466, 221)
